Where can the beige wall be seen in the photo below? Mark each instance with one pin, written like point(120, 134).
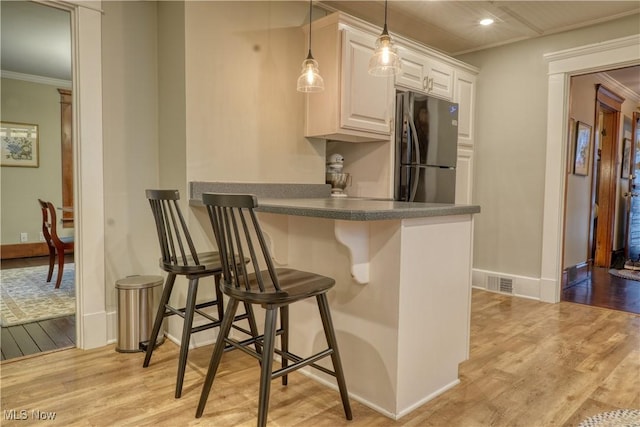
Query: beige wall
point(196, 91)
point(130, 129)
point(244, 116)
point(36, 103)
point(511, 145)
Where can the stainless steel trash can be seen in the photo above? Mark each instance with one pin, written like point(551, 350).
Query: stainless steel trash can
point(138, 300)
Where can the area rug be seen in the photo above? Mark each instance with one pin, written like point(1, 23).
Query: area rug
point(619, 418)
point(25, 295)
point(626, 274)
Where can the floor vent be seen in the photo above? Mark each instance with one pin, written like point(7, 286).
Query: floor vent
point(500, 284)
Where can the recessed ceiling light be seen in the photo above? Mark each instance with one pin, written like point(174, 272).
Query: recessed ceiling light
point(486, 21)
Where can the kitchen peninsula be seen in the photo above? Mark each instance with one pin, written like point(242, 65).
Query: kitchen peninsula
point(401, 304)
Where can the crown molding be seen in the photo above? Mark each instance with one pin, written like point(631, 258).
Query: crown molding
point(36, 79)
point(619, 88)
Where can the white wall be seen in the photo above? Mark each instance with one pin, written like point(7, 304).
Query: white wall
point(511, 136)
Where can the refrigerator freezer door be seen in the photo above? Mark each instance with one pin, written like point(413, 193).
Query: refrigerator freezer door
point(436, 132)
point(428, 184)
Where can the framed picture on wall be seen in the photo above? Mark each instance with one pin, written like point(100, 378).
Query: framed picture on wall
point(626, 158)
point(19, 145)
point(582, 149)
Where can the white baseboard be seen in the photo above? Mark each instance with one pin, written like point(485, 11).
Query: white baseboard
point(93, 323)
point(522, 286)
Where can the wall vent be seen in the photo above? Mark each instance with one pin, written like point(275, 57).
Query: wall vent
point(500, 284)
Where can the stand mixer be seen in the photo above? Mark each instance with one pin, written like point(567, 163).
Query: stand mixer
point(334, 176)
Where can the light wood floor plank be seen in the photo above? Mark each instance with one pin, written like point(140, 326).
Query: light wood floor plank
point(532, 364)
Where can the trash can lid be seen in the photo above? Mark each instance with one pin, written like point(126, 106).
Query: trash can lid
point(139, 282)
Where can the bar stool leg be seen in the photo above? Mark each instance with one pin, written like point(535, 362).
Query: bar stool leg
point(166, 293)
point(284, 338)
point(189, 311)
point(219, 298)
point(325, 315)
point(216, 356)
point(267, 364)
point(253, 327)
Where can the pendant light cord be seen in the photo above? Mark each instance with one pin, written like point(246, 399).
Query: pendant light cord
point(384, 30)
point(309, 56)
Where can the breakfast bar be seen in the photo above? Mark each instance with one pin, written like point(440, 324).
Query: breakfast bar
point(401, 305)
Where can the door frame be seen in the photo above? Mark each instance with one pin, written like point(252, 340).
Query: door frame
point(631, 184)
point(88, 187)
point(622, 52)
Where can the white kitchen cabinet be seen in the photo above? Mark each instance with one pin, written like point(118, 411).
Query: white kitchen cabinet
point(464, 176)
point(425, 74)
point(465, 96)
point(355, 106)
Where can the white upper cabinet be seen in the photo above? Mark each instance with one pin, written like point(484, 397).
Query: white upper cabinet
point(355, 106)
point(425, 74)
point(465, 96)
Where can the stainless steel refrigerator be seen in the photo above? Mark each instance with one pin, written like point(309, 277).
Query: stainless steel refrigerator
point(426, 143)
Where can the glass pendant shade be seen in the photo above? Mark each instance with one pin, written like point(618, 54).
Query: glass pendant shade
point(385, 60)
point(310, 80)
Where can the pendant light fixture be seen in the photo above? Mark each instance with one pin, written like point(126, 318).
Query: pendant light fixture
point(310, 80)
point(385, 60)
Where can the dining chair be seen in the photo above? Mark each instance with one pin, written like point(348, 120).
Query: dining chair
point(258, 282)
point(180, 258)
point(57, 245)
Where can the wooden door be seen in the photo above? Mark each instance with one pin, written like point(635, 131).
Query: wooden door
point(632, 231)
point(608, 107)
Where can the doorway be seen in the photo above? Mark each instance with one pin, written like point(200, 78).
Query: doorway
point(86, 59)
point(596, 203)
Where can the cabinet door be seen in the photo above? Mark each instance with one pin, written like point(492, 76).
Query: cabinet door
point(464, 177)
point(365, 98)
point(439, 79)
point(465, 97)
point(413, 71)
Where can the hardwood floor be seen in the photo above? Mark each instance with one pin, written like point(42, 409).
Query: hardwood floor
point(607, 291)
point(36, 337)
point(531, 364)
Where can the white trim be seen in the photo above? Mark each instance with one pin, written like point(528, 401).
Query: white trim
point(523, 286)
point(590, 49)
point(92, 321)
point(562, 65)
point(35, 79)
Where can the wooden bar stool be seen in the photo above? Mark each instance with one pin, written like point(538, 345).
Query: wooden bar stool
point(179, 258)
point(234, 221)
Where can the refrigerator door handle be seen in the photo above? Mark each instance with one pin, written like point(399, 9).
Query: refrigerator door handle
point(415, 171)
point(414, 140)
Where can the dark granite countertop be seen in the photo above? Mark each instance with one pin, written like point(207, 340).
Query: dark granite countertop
point(312, 200)
point(361, 209)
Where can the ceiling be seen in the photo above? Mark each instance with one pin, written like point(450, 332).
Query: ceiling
point(453, 26)
point(36, 39)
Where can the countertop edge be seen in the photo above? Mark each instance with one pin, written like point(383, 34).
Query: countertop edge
point(374, 215)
